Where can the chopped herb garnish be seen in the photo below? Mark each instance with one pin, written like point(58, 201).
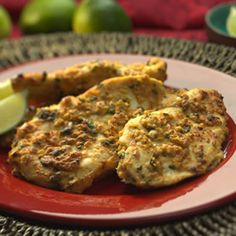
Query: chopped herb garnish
point(46, 115)
point(93, 98)
point(152, 162)
point(121, 154)
point(139, 168)
point(111, 110)
point(67, 130)
point(186, 128)
point(108, 143)
point(57, 152)
point(134, 85)
point(89, 123)
point(172, 167)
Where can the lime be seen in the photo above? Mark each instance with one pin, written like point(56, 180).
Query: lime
point(5, 23)
point(12, 110)
point(44, 16)
point(5, 89)
point(102, 15)
point(231, 22)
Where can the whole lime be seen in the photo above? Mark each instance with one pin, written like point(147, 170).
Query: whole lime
point(102, 15)
point(44, 16)
point(5, 23)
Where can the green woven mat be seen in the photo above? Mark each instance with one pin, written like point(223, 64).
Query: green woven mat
point(220, 221)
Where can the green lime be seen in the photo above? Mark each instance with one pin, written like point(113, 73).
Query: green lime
point(231, 22)
point(12, 110)
point(5, 89)
point(5, 23)
point(102, 15)
point(44, 16)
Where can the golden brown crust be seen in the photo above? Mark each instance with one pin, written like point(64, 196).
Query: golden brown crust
point(76, 79)
point(49, 88)
point(164, 147)
point(69, 145)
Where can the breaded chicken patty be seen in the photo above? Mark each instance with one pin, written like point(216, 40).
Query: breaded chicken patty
point(164, 147)
point(49, 88)
point(77, 79)
point(70, 145)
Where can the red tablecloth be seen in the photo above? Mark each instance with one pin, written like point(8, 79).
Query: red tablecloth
point(169, 18)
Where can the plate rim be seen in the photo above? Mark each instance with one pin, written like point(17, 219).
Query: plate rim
point(100, 220)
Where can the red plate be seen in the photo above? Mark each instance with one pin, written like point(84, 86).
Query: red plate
point(109, 202)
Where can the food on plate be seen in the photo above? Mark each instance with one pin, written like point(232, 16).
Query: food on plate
point(164, 147)
point(50, 88)
point(70, 145)
point(151, 134)
point(77, 79)
point(12, 110)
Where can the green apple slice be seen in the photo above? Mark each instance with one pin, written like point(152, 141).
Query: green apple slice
point(12, 110)
point(5, 89)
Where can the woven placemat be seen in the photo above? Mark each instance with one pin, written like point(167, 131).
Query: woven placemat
point(220, 221)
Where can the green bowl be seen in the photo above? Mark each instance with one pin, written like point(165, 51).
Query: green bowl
point(215, 20)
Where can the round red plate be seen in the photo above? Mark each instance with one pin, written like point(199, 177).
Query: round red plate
point(109, 202)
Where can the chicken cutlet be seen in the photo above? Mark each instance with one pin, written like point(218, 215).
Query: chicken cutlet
point(164, 147)
point(77, 79)
point(69, 145)
point(49, 88)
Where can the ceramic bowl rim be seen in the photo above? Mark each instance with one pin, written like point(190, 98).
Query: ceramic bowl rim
point(211, 25)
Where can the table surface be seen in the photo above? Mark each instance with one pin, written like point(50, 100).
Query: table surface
point(220, 221)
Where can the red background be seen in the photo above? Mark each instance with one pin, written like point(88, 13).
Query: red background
point(169, 18)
